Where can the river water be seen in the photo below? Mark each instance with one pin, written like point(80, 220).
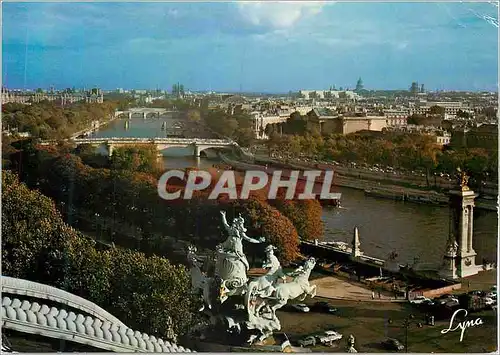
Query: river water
point(413, 230)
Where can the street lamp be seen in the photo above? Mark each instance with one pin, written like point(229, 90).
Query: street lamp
point(406, 324)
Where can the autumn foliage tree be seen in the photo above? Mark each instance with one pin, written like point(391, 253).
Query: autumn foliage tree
point(126, 206)
point(140, 158)
point(268, 222)
point(305, 216)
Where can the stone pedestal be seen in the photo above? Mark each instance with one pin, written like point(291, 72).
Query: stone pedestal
point(449, 268)
point(461, 232)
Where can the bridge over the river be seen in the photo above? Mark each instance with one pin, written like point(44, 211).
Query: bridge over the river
point(106, 145)
point(143, 112)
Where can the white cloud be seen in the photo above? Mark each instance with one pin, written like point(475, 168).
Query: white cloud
point(173, 12)
point(278, 14)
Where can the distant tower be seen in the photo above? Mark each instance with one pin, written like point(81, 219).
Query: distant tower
point(359, 85)
point(422, 88)
point(414, 87)
point(460, 257)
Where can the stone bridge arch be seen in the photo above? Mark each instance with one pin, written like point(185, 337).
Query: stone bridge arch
point(210, 150)
point(195, 147)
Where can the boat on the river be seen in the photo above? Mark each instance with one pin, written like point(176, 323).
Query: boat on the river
point(409, 197)
point(342, 246)
point(392, 195)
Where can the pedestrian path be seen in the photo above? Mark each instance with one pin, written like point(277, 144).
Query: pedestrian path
point(336, 288)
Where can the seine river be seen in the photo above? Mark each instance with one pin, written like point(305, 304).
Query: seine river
point(413, 230)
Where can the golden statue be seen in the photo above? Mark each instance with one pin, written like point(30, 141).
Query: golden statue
point(464, 180)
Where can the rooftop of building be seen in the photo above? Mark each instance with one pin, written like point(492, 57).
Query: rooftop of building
point(324, 112)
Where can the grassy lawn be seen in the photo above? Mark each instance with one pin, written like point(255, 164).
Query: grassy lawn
point(368, 322)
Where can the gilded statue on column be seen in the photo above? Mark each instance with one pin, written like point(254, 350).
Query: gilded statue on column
point(463, 180)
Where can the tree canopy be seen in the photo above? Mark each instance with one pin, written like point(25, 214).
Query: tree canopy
point(47, 120)
point(37, 245)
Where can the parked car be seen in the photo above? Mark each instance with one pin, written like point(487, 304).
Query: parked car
point(445, 300)
point(301, 307)
point(419, 300)
point(446, 295)
point(489, 301)
point(472, 302)
point(324, 307)
point(452, 303)
point(428, 302)
point(307, 341)
point(492, 295)
point(329, 337)
point(477, 293)
point(393, 344)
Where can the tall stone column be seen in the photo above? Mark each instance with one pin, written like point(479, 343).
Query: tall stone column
point(461, 228)
point(356, 251)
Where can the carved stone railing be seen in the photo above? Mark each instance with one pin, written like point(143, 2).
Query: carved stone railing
point(33, 318)
point(22, 287)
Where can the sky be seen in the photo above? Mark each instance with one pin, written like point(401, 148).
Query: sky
point(250, 46)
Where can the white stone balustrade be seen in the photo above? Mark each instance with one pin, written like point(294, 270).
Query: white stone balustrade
point(33, 318)
point(22, 287)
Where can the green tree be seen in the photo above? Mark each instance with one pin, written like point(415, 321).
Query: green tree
point(463, 114)
point(193, 116)
point(417, 119)
point(140, 158)
point(490, 112)
point(437, 110)
point(37, 245)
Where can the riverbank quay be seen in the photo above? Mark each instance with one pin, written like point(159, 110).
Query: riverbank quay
point(387, 187)
point(416, 180)
point(96, 125)
point(385, 276)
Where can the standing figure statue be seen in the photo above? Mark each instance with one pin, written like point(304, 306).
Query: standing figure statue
point(463, 179)
point(264, 286)
point(452, 248)
point(236, 232)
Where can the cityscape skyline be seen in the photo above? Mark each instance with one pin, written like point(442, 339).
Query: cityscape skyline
point(251, 47)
